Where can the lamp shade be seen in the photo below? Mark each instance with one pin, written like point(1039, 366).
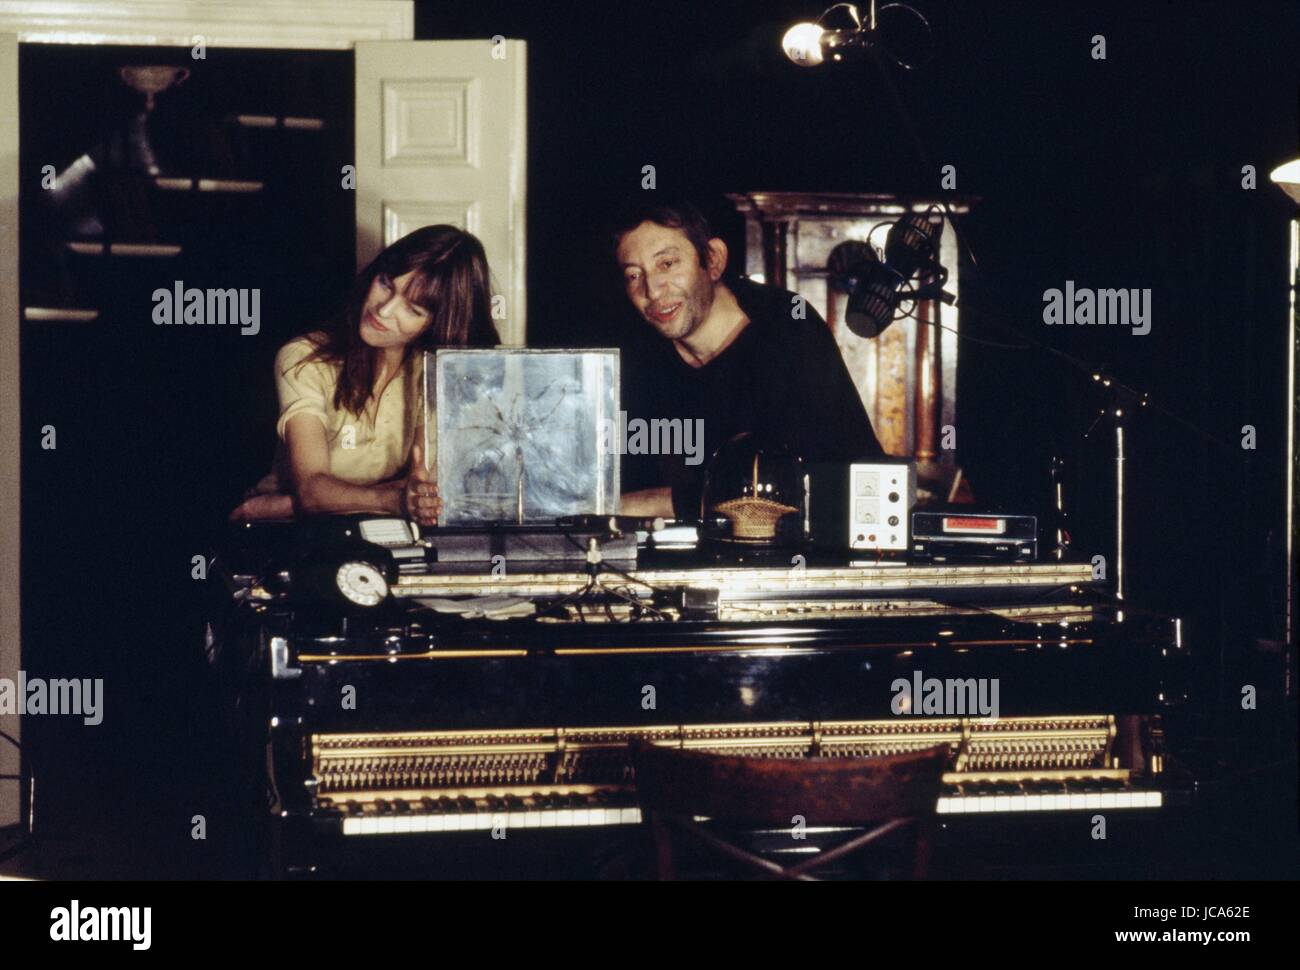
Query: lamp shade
point(1287, 177)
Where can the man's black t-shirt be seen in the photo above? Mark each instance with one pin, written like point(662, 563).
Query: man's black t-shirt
point(782, 378)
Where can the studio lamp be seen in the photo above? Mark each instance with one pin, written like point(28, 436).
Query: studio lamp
point(1287, 177)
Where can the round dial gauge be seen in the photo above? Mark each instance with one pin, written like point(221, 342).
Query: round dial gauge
point(361, 583)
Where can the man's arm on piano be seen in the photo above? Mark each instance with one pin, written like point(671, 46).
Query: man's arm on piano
point(648, 502)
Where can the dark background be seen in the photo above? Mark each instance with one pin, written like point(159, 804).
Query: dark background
point(1125, 172)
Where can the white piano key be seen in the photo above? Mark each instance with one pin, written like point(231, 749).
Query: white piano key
point(631, 815)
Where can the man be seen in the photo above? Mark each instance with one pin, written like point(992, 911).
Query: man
point(737, 355)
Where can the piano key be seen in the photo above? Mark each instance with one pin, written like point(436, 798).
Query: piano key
point(954, 804)
point(581, 811)
point(542, 818)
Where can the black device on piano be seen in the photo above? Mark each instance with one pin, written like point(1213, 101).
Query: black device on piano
point(959, 534)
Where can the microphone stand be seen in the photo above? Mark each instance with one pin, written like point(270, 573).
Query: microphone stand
point(1122, 398)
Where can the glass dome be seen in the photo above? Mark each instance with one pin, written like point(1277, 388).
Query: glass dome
point(754, 494)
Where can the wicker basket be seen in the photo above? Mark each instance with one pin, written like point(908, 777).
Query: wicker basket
point(753, 519)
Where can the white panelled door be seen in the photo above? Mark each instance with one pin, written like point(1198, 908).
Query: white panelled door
point(440, 133)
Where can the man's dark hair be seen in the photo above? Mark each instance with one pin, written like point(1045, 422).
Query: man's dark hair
point(678, 214)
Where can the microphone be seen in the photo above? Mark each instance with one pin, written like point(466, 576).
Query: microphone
point(872, 287)
point(913, 243)
point(911, 247)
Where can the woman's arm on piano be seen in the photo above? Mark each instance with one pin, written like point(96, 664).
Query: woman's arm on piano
point(316, 490)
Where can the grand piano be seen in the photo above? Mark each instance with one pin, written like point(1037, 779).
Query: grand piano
point(418, 721)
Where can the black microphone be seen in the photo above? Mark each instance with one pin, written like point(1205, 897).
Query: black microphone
point(911, 249)
point(872, 295)
point(872, 286)
point(913, 244)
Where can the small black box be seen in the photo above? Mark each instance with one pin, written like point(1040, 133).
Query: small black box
point(955, 534)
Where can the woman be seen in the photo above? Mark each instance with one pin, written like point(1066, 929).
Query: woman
point(350, 408)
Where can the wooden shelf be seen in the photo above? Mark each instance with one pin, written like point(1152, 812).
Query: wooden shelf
point(148, 250)
point(43, 314)
point(169, 183)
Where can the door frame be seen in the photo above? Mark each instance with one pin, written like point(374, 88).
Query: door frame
point(294, 24)
point(284, 24)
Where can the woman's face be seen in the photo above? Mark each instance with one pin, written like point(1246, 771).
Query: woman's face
point(389, 319)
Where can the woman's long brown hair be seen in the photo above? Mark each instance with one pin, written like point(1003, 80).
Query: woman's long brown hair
point(451, 281)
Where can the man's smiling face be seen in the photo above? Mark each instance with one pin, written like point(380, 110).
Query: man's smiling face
point(664, 280)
